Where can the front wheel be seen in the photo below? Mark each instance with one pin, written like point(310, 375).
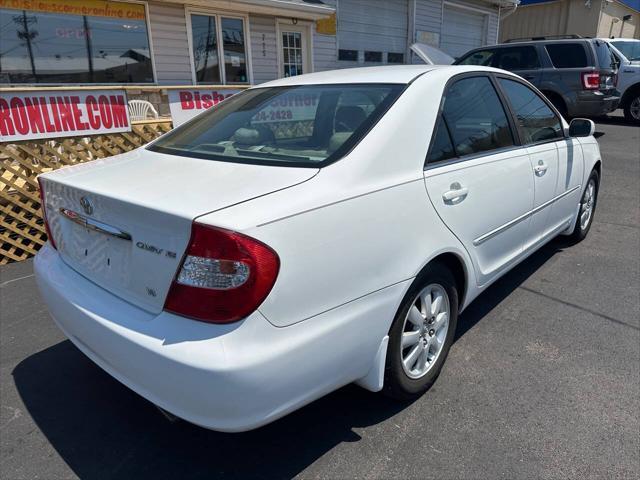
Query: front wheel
point(587, 208)
point(421, 333)
point(632, 109)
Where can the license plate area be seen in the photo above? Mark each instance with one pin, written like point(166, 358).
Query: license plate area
point(100, 256)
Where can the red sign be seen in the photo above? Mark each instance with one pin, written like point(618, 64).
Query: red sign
point(186, 104)
point(50, 114)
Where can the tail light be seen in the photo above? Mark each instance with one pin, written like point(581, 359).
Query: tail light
point(44, 214)
point(224, 276)
point(591, 80)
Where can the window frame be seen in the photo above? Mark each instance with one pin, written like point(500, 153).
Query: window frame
point(515, 131)
point(218, 14)
point(513, 115)
point(147, 21)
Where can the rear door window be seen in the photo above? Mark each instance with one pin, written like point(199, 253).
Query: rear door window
point(517, 58)
point(441, 146)
point(567, 55)
point(536, 120)
point(475, 117)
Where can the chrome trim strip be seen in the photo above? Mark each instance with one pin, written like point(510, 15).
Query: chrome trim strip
point(480, 240)
point(94, 225)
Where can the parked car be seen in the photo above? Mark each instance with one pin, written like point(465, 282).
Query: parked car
point(308, 233)
point(627, 53)
point(577, 74)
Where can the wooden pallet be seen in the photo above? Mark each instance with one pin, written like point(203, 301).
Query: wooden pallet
point(22, 231)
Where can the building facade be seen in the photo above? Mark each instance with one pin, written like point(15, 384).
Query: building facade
point(223, 42)
point(590, 18)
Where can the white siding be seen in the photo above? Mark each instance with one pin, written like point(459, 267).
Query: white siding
point(377, 25)
point(325, 47)
point(429, 18)
point(263, 48)
point(170, 45)
point(463, 30)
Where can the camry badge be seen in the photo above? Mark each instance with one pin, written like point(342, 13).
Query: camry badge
point(86, 205)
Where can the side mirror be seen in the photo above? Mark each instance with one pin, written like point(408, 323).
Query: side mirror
point(581, 127)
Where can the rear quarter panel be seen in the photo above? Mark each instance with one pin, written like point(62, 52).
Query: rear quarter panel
point(362, 224)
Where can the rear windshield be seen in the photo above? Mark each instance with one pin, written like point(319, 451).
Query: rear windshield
point(630, 49)
point(567, 55)
point(305, 125)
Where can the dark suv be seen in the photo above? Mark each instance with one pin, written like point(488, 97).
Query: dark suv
point(578, 75)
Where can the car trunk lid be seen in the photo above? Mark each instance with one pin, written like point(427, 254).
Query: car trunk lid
point(124, 222)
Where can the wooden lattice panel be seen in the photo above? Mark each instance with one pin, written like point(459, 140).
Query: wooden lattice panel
point(22, 232)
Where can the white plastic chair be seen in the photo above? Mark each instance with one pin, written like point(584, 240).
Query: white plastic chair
point(141, 109)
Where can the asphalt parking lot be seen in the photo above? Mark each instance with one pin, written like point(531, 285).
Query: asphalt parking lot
point(543, 381)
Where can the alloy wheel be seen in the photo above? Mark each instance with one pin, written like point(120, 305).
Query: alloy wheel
point(425, 330)
point(587, 204)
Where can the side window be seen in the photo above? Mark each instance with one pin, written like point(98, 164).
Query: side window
point(537, 121)
point(517, 58)
point(441, 146)
point(567, 55)
point(481, 57)
point(475, 116)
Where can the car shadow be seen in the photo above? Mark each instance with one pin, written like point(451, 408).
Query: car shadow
point(612, 120)
point(101, 429)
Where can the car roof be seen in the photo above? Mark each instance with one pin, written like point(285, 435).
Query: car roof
point(401, 74)
point(398, 74)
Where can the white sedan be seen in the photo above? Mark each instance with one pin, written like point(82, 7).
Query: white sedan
point(308, 233)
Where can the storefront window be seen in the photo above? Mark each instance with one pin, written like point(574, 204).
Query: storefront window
point(205, 48)
point(235, 62)
point(212, 38)
point(92, 42)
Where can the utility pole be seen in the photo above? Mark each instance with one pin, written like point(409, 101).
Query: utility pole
point(28, 36)
point(87, 36)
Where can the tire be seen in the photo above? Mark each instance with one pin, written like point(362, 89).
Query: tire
point(406, 383)
point(632, 108)
point(587, 201)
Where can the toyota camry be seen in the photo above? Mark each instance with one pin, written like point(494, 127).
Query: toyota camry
point(309, 233)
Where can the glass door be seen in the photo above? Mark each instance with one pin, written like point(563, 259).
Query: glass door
point(294, 50)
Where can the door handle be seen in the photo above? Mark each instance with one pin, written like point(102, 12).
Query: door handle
point(457, 192)
point(540, 169)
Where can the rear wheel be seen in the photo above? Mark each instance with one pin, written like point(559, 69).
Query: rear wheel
point(587, 208)
point(421, 333)
point(632, 108)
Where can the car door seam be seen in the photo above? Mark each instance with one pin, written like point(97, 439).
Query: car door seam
point(483, 238)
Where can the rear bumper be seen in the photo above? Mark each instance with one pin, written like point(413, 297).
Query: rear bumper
point(224, 377)
point(593, 104)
